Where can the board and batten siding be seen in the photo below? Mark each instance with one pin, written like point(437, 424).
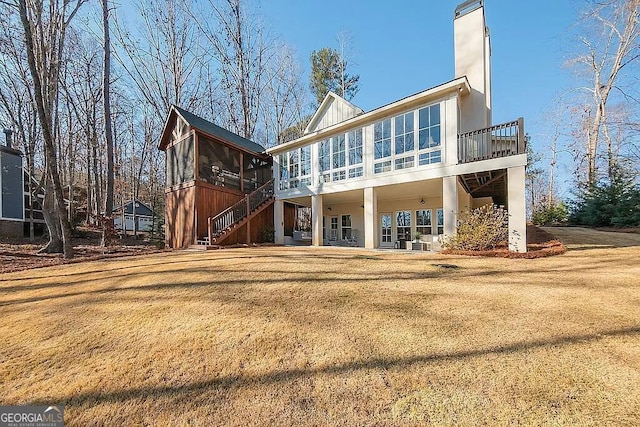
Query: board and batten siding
point(336, 111)
point(180, 217)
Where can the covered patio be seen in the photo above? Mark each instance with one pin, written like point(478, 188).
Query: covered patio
point(395, 215)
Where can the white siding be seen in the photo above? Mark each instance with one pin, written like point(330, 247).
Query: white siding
point(334, 111)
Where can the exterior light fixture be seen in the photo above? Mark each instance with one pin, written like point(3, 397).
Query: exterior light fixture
point(422, 201)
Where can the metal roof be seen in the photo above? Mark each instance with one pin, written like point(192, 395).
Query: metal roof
point(214, 130)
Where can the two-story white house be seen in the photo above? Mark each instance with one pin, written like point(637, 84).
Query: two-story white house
point(377, 179)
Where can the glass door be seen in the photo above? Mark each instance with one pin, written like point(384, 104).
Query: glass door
point(385, 230)
point(333, 231)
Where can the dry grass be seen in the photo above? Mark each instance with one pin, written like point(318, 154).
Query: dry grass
point(287, 336)
point(588, 238)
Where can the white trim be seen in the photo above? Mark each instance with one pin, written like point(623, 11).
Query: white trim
point(459, 85)
point(411, 175)
point(323, 106)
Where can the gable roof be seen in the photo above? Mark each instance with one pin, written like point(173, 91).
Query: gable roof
point(206, 127)
point(141, 210)
point(346, 111)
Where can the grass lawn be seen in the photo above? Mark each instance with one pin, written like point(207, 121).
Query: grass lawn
point(328, 336)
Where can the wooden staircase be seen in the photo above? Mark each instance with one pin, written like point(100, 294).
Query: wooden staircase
point(229, 221)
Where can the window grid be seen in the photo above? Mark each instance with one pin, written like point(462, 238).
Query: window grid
point(404, 133)
point(338, 154)
point(346, 227)
point(440, 219)
point(356, 172)
point(333, 231)
point(382, 145)
point(423, 221)
point(403, 225)
point(355, 154)
point(283, 162)
point(429, 141)
point(386, 228)
point(295, 168)
point(404, 162)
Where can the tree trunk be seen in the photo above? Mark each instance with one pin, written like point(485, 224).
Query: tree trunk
point(52, 219)
point(107, 226)
point(45, 106)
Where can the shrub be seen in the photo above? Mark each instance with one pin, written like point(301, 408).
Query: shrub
point(268, 235)
point(481, 229)
point(557, 213)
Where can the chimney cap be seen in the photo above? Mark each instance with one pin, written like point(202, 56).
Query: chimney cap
point(468, 7)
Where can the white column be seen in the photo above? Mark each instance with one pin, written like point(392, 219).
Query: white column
point(517, 209)
point(278, 221)
point(316, 220)
point(450, 204)
point(449, 130)
point(370, 218)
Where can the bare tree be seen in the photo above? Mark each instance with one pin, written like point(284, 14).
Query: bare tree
point(346, 60)
point(168, 46)
point(107, 223)
point(242, 47)
point(284, 96)
point(17, 103)
point(609, 38)
point(44, 34)
point(82, 91)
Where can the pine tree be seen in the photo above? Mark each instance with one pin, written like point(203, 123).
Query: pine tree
point(329, 73)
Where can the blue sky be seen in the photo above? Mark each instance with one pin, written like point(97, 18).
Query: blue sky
point(403, 47)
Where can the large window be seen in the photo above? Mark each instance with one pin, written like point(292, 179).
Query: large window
point(404, 133)
point(340, 157)
point(346, 227)
point(305, 164)
point(423, 221)
point(382, 146)
point(403, 225)
point(355, 153)
point(338, 151)
point(295, 168)
point(324, 153)
point(440, 218)
point(283, 166)
point(429, 135)
point(294, 163)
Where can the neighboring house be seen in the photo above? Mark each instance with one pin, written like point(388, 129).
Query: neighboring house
point(219, 185)
point(11, 190)
point(412, 166)
point(134, 210)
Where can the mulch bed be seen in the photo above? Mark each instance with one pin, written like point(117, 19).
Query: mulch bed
point(20, 254)
point(540, 244)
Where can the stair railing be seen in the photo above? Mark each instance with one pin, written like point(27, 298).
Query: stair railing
point(237, 212)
